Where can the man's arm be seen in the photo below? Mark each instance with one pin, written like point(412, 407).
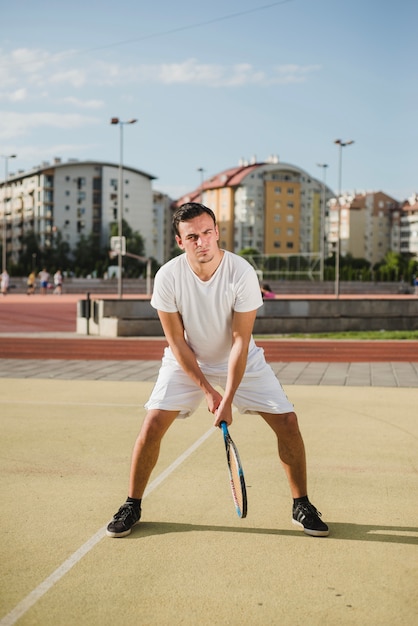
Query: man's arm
point(174, 332)
point(242, 328)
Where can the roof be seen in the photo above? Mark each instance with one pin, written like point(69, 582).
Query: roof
point(57, 163)
point(231, 177)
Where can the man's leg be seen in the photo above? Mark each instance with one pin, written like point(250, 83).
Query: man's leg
point(291, 450)
point(147, 448)
point(293, 458)
point(144, 458)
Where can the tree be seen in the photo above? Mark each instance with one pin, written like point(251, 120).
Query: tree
point(396, 266)
point(31, 256)
point(89, 256)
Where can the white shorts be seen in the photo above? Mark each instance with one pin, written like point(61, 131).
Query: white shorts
point(259, 391)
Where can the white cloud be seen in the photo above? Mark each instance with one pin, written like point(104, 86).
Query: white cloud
point(33, 155)
point(294, 73)
point(37, 68)
point(191, 72)
point(19, 124)
point(83, 104)
point(75, 77)
point(18, 95)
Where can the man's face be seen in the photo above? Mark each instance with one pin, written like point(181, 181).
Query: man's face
point(199, 238)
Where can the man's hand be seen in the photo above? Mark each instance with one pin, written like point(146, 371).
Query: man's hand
point(223, 414)
point(213, 399)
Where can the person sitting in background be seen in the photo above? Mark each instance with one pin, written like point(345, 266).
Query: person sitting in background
point(267, 293)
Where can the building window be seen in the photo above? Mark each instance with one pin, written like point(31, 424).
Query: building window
point(277, 244)
point(289, 218)
point(289, 245)
point(277, 190)
point(290, 205)
point(290, 191)
point(277, 217)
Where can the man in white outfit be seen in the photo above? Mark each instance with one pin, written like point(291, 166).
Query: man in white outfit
point(207, 300)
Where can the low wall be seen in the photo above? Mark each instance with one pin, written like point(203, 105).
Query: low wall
point(137, 318)
point(305, 287)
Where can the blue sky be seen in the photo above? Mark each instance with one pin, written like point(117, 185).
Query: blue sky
point(213, 82)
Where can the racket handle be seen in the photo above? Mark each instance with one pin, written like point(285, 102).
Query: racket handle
point(224, 427)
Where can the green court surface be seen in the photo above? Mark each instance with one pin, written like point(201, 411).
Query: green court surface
point(65, 451)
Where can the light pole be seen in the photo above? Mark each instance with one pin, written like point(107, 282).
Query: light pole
point(202, 172)
point(341, 144)
point(4, 239)
point(116, 120)
point(322, 225)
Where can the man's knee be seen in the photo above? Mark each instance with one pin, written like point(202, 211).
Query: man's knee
point(283, 423)
point(156, 423)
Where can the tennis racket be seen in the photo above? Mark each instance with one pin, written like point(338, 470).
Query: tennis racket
point(236, 474)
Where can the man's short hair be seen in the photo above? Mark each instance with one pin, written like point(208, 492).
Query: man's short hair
point(188, 211)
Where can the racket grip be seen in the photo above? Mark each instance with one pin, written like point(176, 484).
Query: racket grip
point(224, 428)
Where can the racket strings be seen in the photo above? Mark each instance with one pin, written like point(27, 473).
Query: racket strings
point(236, 480)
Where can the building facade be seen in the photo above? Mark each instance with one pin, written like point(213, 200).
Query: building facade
point(369, 225)
point(408, 227)
point(77, 198)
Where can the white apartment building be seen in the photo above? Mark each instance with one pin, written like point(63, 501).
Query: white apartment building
point(77, 198)
point(409, 226)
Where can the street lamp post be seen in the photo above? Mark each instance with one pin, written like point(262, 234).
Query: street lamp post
point(116, 120)
point(4, 238)
point(202, 172)
point(341, 144)
point(322, 225)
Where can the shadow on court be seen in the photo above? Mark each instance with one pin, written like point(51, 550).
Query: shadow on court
point(350, 532)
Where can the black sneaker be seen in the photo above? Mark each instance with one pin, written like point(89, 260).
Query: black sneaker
point(123, 521)
point(308, 519)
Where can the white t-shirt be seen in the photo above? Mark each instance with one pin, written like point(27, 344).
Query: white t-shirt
point(206, 307)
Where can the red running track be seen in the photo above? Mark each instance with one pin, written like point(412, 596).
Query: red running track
point(280, 350)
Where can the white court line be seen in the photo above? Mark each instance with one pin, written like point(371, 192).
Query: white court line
point(35, 595)
point(64, 403)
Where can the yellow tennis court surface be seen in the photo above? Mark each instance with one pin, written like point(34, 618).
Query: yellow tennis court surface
point(65, 451)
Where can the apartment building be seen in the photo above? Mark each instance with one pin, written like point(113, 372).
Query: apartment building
point(78, 198)
point(369, 224)
point(271, 206)
point(162, 233)
point(408, 227)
